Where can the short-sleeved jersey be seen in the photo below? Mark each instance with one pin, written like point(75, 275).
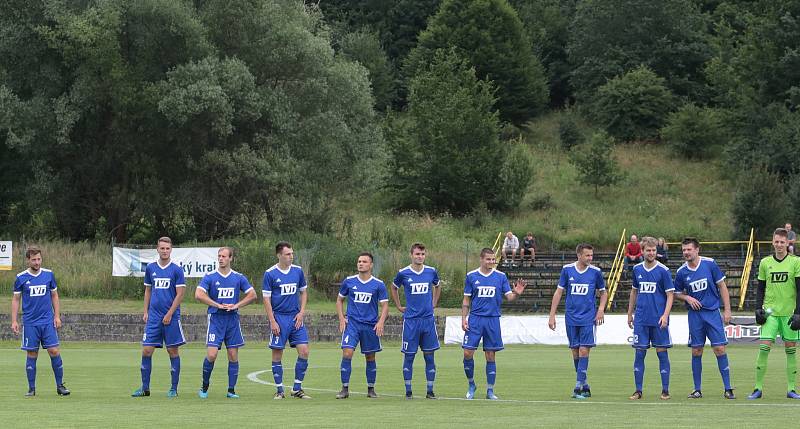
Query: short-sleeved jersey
point(362, 298)
point(283, 288)
point(652, 286)
point(700, 283)
point(163, 283)
point(781, 291)
point(37, 304)
point(580, 289)
point(486, 292)
point(418, 288)
point(224, 289)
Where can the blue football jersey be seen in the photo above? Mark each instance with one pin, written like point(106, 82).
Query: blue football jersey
point(163, 283)
point(486, 292)
point(37, 304)
point(653, 286)
point(700, 283)
point(362, 298)
point(580, 290)
point(224, 289)
point(283, 288)
point(418, 288)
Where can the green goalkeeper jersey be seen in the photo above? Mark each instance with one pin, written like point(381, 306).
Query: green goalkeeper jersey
point(781, 291)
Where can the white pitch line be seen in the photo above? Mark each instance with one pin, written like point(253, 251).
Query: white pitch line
point(253, 376)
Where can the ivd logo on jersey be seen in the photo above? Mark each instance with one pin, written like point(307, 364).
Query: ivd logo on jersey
point(288, 289)
point(38, 290)
point(579, 289)
point(486, 291)
point(419, 288)
point(161, 283)
point(225, 292)
point(362, 297)
point(647, 287)
point(699, 285)
point(779, 277)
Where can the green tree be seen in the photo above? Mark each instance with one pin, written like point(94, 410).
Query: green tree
point(445, 151)
point(490, 35)
point(759, 202)
point(611, 37)
point(595, 162)
point(569, 133)
point(695, 132)
point(363, 46)
point(633, 106)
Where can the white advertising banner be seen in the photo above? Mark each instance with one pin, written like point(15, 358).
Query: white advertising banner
point(5, 256)
point(534, 330)
point(195, 261)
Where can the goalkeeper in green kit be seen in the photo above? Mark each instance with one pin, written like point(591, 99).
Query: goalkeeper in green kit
point(778, 310)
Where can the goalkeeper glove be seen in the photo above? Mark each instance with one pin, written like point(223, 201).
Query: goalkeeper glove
point(761, 316)
point(794, 322)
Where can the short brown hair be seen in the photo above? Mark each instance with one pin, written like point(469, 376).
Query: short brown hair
point(583, 246)
point(649, 242)
point(32, 251)
point(419, 246)
point(367, 254)
point(692, 241)
point(229, 249)
point(282, 245)
point(486, 251)
point(165, 240)
point(781, 232)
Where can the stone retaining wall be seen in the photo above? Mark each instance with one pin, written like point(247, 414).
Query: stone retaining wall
point(129, 327)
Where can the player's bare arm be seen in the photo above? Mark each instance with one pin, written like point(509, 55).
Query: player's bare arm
point(382, 319)
point(725, 297)
point(393, 290)
point(15, 300)
point(340, 313)
point(273, 324)
point(519, 287)
point(551, 322)
point(632, 306)
point(147, 293)
point(248, 298)
point(437, 292)
point(202, 296)
point(663, 321)
point(464, 313)
point(599, 317)
point(298, 318)
point(56, 309)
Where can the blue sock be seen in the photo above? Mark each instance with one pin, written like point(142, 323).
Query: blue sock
point(575, 362)
point(583, 367)
point(208, 366)
point(300, 368)
point(233, 374)
point(430, 370)
point(58, 369)
point(663, 367)
point(175, 371)
point(277, 374)
point(347, 368)
point(491, 374)
point(469, 370)
point(372, 372)
point(147, 367)
point(638, 368)
point(697, 372)
point(30, 370)
point(408, 369)
point(724, 370)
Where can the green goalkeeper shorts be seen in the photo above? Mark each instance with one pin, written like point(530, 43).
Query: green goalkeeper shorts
point(776, 325)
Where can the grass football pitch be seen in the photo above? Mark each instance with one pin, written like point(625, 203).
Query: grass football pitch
point(534, 383)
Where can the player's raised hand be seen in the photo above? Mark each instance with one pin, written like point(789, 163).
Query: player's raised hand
point(15, 327)
point(519, 286)
point(298, 320)
point(552, 323)
point(600, 317)
point(379, 329)
point(694, 303)
point(57, 322)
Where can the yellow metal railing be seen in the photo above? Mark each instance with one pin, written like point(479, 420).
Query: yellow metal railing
point(498, 246)
point(617, 265)
point(748, 264)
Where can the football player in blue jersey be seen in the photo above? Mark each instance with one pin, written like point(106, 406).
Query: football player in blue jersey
point(363, 324)
point(164, 287)
point(648, 315)
point(701, 285)
point(37, 289)
point(420, 284)
point(220, 291)
point(484, 289)
point(580, 281)
point(285, 297)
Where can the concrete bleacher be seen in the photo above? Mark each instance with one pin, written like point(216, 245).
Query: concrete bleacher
point(542, 277)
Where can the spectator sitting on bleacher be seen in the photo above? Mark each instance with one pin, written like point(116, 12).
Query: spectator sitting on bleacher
point(529, 246)
point(633, 252)
point(510, 246)
point(662, 251)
